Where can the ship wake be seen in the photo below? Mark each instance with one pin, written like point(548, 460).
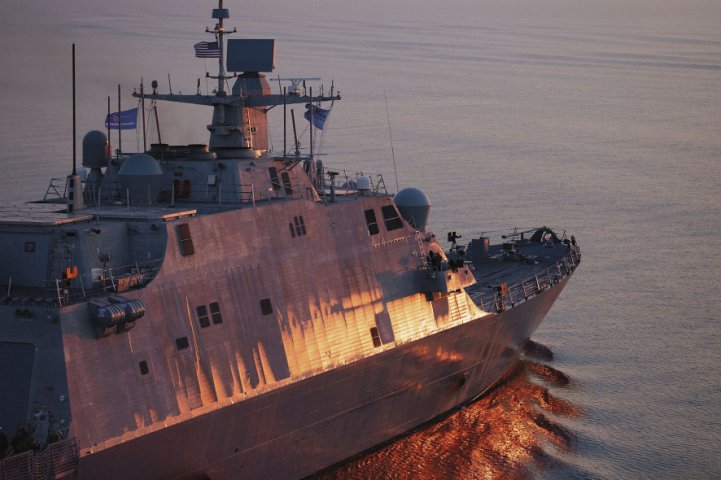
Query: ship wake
point(504, 434)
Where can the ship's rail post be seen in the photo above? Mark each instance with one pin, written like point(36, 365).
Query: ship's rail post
point(82, 287)
point(57, 289)
point(525, 292)
point(112, 280)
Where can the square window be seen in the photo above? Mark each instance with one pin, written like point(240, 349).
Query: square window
point(29, 247)
point(215, 313)
point(203, 316)
point(266, 307)
point(182, 343)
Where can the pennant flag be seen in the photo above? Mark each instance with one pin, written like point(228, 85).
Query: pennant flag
point(207, 50)
point(320, 115)
point(125, 120)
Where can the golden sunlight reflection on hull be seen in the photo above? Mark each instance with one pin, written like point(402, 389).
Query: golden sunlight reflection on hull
point(502, 435)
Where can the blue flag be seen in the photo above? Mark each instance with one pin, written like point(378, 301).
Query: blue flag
point(126, 120)
point(320, 115)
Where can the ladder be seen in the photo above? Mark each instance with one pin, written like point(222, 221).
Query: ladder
point(420, 250)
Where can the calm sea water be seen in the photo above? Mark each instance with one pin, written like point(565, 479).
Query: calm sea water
point(600, 117)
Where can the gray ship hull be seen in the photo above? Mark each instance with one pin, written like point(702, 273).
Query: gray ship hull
point(303, 427)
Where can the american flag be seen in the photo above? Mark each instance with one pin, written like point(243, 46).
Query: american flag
point(207, 50)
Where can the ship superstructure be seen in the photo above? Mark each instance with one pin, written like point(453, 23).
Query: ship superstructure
point(218, 311)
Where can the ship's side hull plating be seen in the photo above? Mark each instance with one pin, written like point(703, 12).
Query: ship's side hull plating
point(305, 426)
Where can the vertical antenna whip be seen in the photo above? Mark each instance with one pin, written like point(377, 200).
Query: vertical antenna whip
point(390, 133)
point(74, 134)
point(142, 102)
point(120, 135)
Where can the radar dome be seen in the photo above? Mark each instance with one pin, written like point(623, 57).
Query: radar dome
point(414, 206)
point(95, 149)
point(143, 176)
point(364, 183)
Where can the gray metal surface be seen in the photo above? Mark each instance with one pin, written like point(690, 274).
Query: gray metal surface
point(285, 320)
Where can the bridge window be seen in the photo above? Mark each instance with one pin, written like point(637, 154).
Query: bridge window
point(371, 221)
point(274, 180)
point(203, 316)
point(299, 226)
point(186, 241)
point(215, 313)
point(286, 183)
point(391, 218)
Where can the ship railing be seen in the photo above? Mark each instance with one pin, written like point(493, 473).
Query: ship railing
point(110, 280)
point(243, 193)
point(341, 182)
point(54, 187)
point(113, 193)
point(284, 190)
point(518, 235)
point(58, 461)
point(502, 298)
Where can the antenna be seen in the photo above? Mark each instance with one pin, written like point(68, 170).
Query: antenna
point(75, 172)
point(142, 102)
point(170, 87)
point(120, 135)
point(108, 153)
point(393, 153)
point(157, 121)
point(220, 31)
point(295, 133)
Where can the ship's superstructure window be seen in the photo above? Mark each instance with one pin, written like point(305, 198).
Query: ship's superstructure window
point(143, 365)
point(372, 222)
point(182, 343)
point(29, 247)
point(215, 313)
point(203, 316)
point(299, 226)
point(266, 307)
point(286, 183)
point(274, 180)
point(376, 337)
point(186, 241)
point(391, 218)
point(292, 229)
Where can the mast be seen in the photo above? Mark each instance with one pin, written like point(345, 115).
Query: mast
point(220, 14)
point(120, 135)
point(75, 171)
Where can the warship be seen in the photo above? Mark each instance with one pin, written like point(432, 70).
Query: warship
point(222, 311)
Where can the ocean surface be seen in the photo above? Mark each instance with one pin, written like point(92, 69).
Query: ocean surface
point(600, 117)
